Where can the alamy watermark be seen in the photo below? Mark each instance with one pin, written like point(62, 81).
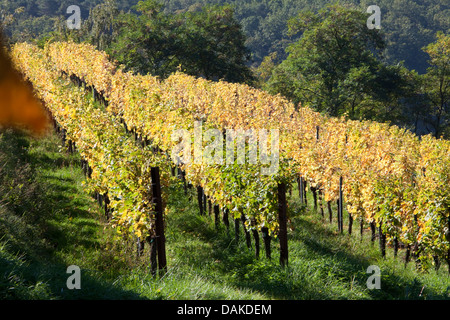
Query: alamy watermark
point(74, 280)
point(256, 141)
point(374, 281)
point(374, 21)
point(74, 21)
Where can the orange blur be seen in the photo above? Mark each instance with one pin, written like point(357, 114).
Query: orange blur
point(19, 108)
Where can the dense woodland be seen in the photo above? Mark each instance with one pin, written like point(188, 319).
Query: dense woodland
point(408, 25)
point(399, 74)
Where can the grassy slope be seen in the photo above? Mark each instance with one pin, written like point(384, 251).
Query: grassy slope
point(50, 223)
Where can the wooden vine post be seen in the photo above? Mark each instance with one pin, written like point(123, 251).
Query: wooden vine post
point(304, 192)
point(205, 200)
point(282, 221)
point(314, 192)
point(267, 239)
point(216, 216)
point(200, 199)
point(225, 220)
point(159, 220)
point(300, 188)
point(330, 211)
point(382, 239)
point(341, 207)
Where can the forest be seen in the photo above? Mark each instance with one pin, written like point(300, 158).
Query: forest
point(401, 78)
point(408, 25)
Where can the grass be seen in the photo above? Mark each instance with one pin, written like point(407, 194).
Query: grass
point(48, 222)
point(62, 226)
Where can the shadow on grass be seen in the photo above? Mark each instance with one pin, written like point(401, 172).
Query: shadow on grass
point(353, 255)
point(38, 280)
point(323, 265)
point(36, 246)
point(55, 160)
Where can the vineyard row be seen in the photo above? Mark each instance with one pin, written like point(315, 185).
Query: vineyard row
point(384, 175)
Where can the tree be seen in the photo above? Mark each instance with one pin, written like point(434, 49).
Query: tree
point(389, 92)
point(101, 26)
point(336, 67)
point(47, 7)
point(215, 46)
point(265, 69)
point(7, 18)
point(145, 43)
point(437, 81)
point(415, 107)
point(208, 42)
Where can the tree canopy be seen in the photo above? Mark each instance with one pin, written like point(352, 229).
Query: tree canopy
point(437, 81)
point(409, 25)
point(336, 65)
point(208, 42)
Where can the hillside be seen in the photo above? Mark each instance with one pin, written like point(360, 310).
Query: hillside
point(347, 206)
point(204, 263)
